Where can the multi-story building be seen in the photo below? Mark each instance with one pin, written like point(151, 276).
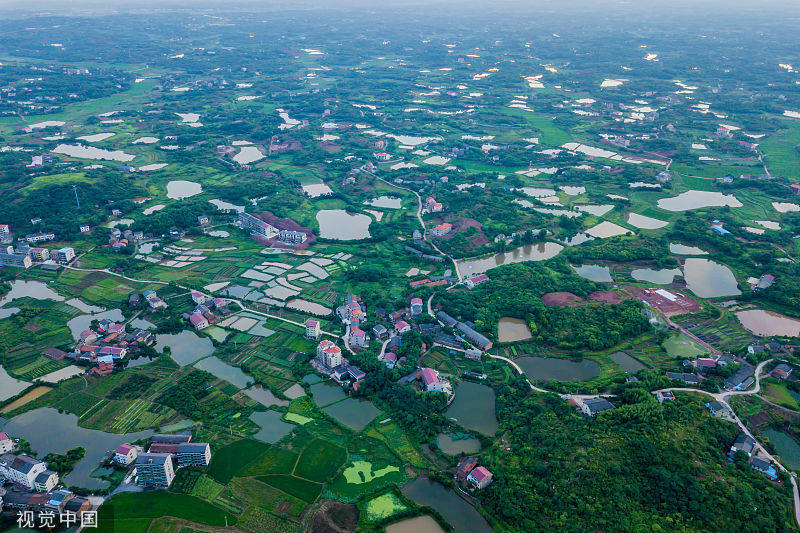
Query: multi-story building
point(312, 329)
point(255, 225)
point(293, 237)
point(21, 469)
point(329, 354)
point(46, 481)
point(64, 255)
point(11, 258)
point(155, 469)
point(194, 454)
point(442, 229)
point(416, 306)
point(39, 254)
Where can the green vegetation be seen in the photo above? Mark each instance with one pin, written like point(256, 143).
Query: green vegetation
point(137, 510)
point(320, 460)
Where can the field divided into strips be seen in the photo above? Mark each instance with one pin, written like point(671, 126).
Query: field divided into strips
point(725, 334)
point(397, 441)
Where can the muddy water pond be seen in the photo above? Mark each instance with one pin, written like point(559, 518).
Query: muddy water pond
point(529, 252)
point(769, 323)
point(697, 200)
point(683, 249)
point(598, 273)
point(512, 330)
point(222, 370)
point(343, 226)
point(186, 347)
point(10, 386)
point(418, 524)
point(659, 277)
point(453, 445)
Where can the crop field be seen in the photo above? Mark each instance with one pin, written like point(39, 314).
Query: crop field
point(274, 460)
point(308, 491)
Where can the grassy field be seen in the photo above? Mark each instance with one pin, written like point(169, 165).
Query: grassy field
point(273, 461)
point(307, 491)
point(320, 460)
point(775, 391)
point(383, 506)
point(229, 460)
point(131, 512)
point(780, 150)
point(683, 347)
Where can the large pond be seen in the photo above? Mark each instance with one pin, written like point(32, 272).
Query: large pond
point(386, 202)
point(222, 205)
point(457, 512)
point(222, 370)
point(341, 225)
point(51, 432)
point(659, 277)
point(90, 152)
point(594, 273)
point(529, 252)
point(708, 279)
point(355, 414)
point(10, 386)
point(248, 154)
point(512, 330)
point(544, 368)
point(457, 444)
point(683, 249)
point(473, 408)
point(180, 189)
point(698, 199)
point(186, 347)
point(785, 447)
point(626, 362)
point(643, 222)
point(272, 427)
point(31, 289)
point(768, 323)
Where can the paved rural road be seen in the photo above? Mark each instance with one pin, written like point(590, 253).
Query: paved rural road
point(421, 221)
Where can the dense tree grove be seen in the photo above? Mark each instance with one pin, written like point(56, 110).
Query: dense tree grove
point(515, 290)
point(642, 467)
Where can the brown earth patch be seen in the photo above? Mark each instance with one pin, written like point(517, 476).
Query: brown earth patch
point(608, 297)
point(562, 299)
point(334, 517)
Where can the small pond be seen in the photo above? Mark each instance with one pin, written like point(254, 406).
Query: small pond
point(708, 279)
point(598, 273)
point(529, 252)
point(386, 202)
point(458, 513)
point(769, 323)
point(186, 347)
point(512, 330)
point(180, 189)
point(660, 277)
point(264, 396)
point(272, 427)
point(697, 200)
point(544, 368)
point(458, 444)
point(355, 414)
point(340, 225)
point(222, 370)
point(473, 407)
point(683, 249)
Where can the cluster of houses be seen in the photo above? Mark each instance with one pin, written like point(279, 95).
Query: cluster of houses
point(167, 453)
point(743, 378)
point(154, 303)
point(27, 484)
point(329, 360)
point(120, 239)
point(747, 445)
point(466, 330)
point(25, 256)
point(208, 310)
point(473, 475)
point(104, 347)
point(263, 231)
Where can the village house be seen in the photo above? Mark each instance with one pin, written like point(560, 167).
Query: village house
point(765, 467)
point(465, 466)
point(474, 337)
point(125, 454)
point(480, 478)
point(432, 205)
point(153, 301)
point(691, 379)
point(312, 329)
point(401, 327)
point(742, 379)
point(665, 395)
point(594, 406)
point(743, 443)
point(380, 331)
point(782, 371)
point(23, 470)
point(442, 229)
point(198, 321)
point(474, 281)
point(717, 409)
point(358, 337)
point(292, 237)
point(416, 306)
point(6, 443)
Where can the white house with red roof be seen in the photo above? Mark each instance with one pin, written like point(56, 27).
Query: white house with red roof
point(416, 306)
point(401, 326)
point(442, 229)
point(432, 205)
point(125, 454)
point(474, 281)
point(199, 298)
point(480, 478)
point(198, 321)
point(329, 354)
point(312, 329)
point(358, 337)
point(88, 336)
point(6, 444)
